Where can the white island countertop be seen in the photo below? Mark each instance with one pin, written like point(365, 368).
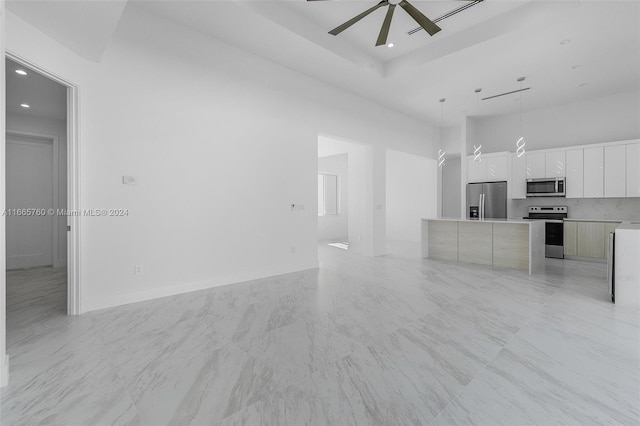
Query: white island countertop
point(627, 267)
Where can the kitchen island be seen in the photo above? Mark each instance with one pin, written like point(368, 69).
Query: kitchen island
point(506, 243)
point(627, 267)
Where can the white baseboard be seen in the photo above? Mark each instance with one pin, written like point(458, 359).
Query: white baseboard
point(180, 288)
point(4, 371)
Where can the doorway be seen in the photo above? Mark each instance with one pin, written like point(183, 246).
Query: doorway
point(35, 189)
point(41, 188)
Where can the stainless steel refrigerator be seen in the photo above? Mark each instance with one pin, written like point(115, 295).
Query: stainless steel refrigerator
point(487, 200)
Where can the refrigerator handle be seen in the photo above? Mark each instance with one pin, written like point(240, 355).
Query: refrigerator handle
point(482, 206)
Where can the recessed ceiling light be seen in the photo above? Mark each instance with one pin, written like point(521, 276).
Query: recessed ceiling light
point(478, 90)
point(390, 45)
point(21, 72)
point(25, 105)
point(575, 67)
point(443, 99)
point(584, 84)
point(565, 41)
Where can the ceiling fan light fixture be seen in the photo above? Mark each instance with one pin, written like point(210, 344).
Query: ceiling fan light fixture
point(390, 45)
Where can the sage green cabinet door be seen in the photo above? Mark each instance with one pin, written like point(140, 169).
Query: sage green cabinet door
point(591, 239)
point(475, 242)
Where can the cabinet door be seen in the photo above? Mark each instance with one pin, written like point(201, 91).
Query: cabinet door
point(575, 173)
point(555, 164)
point(633, 172)
point(476, 170)
point(570, 238)
point(593, 172)
point(496, 167)
point(475, 242)
point(615, 175)
point(591, 239)
point(536, 165)
point(518, 177)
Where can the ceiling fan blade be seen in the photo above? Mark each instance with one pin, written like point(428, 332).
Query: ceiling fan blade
point(337, 30)
point(417, 16)
point(384, 31)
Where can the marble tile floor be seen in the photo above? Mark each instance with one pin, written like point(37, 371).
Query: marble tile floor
point(372, 341)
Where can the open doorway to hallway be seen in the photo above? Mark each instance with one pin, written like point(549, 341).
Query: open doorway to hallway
point(36, 196)
point(342, 185)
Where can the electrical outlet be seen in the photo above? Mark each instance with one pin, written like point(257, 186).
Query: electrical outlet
point(138, 269)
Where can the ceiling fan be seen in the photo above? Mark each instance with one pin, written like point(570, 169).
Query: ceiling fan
point(427, 24)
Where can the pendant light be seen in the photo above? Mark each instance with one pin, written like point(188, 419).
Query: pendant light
point(441, 153)
point(477, 153)
point(520, 143)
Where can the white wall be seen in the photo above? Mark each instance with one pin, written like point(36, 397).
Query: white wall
point(336, 227)
point(451, 188)
point(222, 142)
point(49, 127)
point(411, 194)
point(607, 119)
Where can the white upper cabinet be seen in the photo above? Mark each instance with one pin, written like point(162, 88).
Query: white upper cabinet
point(536, 165)
point(497, 167)
point(615, 175)
point(633, 174)
point(593, 172)
point(476, 170)
point(575, 173)
point(492, 167)
point(518, 177)
point(555, 164)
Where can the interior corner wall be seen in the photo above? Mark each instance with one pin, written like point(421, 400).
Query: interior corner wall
point(49, 127)
point(221, 141)
point(607, 119)
point(411, 193)
point(335, 227)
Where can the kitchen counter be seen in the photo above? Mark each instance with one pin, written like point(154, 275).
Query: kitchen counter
point(507, 243)
point(510, 220)
point(627, 267)
point(593, 220)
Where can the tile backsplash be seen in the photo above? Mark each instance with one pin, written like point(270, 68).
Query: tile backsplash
point(583, 208)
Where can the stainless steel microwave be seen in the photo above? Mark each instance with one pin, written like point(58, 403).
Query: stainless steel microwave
point(546, 187)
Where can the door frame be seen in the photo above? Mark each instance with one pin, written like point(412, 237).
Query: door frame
point(74, 306)
point(55, 184)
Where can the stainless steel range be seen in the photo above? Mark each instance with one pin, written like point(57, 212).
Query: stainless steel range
point(554, 227)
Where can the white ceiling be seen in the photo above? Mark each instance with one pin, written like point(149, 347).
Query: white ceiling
point(45, 97)
point(84, 26)
point(487, 46)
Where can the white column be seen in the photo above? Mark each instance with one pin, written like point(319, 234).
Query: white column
point(4, 358)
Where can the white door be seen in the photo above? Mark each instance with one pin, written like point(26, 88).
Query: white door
point(29, 185)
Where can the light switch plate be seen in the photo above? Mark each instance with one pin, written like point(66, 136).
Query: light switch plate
point(129, 180)
point(297, 207)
